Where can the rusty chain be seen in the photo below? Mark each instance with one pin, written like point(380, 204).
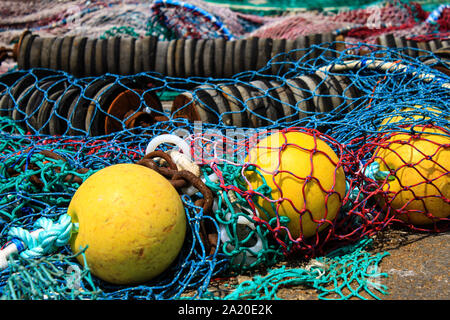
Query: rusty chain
point(183, 178)
point(179, 179)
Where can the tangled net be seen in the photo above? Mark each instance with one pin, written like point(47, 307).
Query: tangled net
point(383, 117)
point(40, 172)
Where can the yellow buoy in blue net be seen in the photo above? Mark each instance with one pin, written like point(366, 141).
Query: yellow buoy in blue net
point(307, 183)
point(132, 220)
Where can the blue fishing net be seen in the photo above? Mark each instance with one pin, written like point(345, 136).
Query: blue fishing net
point(58, 129)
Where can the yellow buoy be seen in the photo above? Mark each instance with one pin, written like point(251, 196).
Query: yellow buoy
point(132, 220)
point(422, 178)
point(306, 185)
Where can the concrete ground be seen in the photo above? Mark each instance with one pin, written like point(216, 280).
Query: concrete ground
point(417, 266)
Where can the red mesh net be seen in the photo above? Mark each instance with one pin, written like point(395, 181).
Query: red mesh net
point(305, 173)
point(303, 186)
point(444, 20)
point(415, 186)
point(314, 194)
point(392, 14)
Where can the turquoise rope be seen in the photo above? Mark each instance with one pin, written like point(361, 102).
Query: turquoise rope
point(333, 276)
point(52, 236)
point(373, 172)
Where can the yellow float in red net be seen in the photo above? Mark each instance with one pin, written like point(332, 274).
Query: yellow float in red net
point(306, 179)
point(418, 188)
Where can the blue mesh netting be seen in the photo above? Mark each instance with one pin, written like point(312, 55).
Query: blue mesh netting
point(58, 129)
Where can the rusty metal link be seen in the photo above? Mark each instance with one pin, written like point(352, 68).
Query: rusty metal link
point(35, 177)
point(181, 179)
point(178, 178)
point(168, 172)
point(161, 154)
point(208, 197)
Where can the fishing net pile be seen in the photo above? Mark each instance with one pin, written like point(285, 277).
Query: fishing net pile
point(165, 19)
point(307, 153)
point(170, 19)
point(402, 19)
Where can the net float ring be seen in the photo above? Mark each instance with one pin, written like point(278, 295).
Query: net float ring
point(242, 223)
point(127, 106)
point(18, 54)
point(181, 166)
point(169, 138)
